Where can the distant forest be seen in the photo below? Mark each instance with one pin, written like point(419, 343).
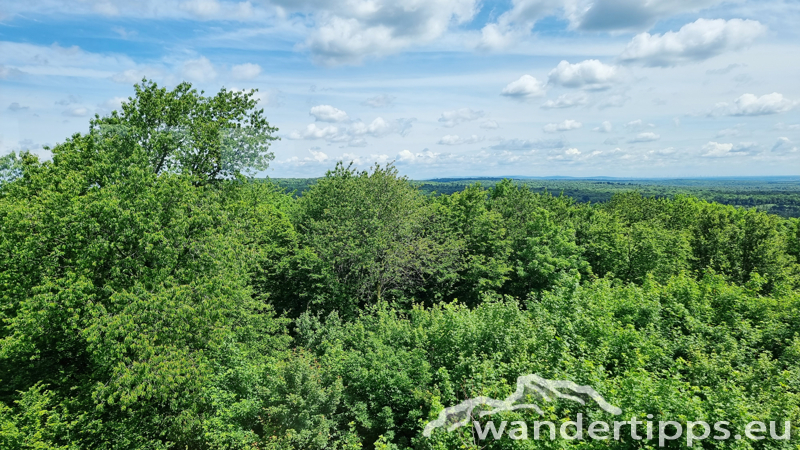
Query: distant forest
point(775, 195)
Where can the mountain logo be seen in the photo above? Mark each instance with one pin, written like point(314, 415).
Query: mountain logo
point(527, 386)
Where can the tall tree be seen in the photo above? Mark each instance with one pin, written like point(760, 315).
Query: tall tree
point(182, 130)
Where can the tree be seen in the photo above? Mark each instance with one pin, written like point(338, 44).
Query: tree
point(125, 294)
point(375, 234)
point(181, 130)
point(543, 246)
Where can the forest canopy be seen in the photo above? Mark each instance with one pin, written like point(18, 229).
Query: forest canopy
point(153, 296)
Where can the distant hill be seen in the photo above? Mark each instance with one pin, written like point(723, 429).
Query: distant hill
point(777, 195)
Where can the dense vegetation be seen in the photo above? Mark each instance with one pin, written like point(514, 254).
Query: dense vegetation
point(153, 297)
point(776, 195)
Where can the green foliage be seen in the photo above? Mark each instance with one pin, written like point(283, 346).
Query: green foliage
point(180, 130)
point(152, 297)
point(375, 235)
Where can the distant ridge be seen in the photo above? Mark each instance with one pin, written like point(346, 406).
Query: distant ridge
point(604, 178)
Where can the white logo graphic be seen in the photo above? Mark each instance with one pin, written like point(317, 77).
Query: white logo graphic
point(527, 386)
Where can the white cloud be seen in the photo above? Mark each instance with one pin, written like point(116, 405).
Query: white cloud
point(318, 155)
point(490, 124)
point(424, 157)
point(590, 74)
point(752, 105)
point(719, 150)
point(619, 15)
point(379, 101)
point(525, 88)
point(644, 137)
point(697, 41)
point(514, 24)
point(449, 119)
point(353, 134)
point(638, 124)
point(783, 126)
point(604, 127)
point(246, 71)
point(327, 113)
point(566, 101)
point(454, 139)
point(784, 145)
point(347, 32)
point(312, 131)
point(200, 70)
point(377, 128)
point(563, 126)
point(405, 155)
point(76, 112)
point(569, 154)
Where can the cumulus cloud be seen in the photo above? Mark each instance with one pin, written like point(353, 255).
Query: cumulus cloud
point(424, 157)
point(515, 23)
point(525, 88)
point(347, 32)
point(246, 71)
point(327, 113)
point(353, 133)
point(200, 70)
point(623, 15)
point(379, 101)
point(604, 127)
point(563, 126)
point(454, 139)
point(312, 131)
point(644, 137)
point(318, 156)
point(752, 105)
point(449, 119)
point(590, 74)
point(720, 150)
point(697, 41)
point(566, 101)
point(567, 154)
point(784, 145)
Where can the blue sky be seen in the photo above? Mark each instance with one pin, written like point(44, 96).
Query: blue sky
point(629, 88)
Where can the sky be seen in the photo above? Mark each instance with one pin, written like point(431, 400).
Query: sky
point(444, 88)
